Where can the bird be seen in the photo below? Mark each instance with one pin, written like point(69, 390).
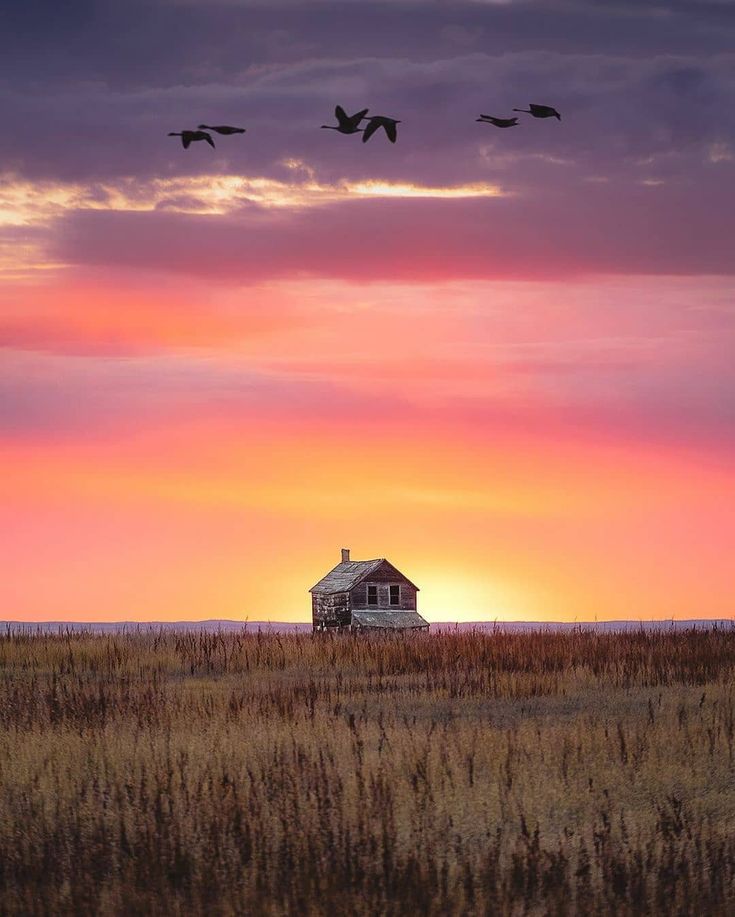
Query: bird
point(346, 124)
point(188, 137)
point(377, 121)
point(224, 129)
point(540, 111)
point(498, 122)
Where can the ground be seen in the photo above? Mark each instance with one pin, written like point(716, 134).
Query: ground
point(435, 774)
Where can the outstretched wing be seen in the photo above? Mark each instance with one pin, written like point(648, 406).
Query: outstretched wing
point(373, 125)
point(358, 116)
point(391, 129)
point(209, 140)
point(185, 141)
point(342, 115)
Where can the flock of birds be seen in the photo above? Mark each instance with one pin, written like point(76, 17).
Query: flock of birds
point(350, 124)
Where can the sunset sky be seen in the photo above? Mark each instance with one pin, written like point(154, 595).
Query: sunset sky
point(504, 359)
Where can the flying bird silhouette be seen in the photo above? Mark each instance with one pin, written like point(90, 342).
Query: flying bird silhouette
point(224, 129)
point(498, 122)
point(540, 111)
point(346, 124)
point(378, 121)
point(188, 137)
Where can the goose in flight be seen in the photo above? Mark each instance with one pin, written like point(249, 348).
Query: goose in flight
point(346, 124)
point(540, 111)
point(378, 121)
point(224, 129)
point(498, 122)
point(188, 137)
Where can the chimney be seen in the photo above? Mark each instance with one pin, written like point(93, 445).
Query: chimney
point(345, 555)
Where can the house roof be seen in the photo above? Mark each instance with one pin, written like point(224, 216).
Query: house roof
point(349, 573)
point(391, 620)
point(346, 575)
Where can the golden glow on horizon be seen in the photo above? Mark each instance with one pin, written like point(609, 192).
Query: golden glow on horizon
point(464, 595)
point(194, 520)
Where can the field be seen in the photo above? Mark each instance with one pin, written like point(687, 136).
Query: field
point(461, 773)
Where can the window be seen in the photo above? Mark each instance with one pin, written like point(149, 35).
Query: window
point(372, 595)
point(395, 595)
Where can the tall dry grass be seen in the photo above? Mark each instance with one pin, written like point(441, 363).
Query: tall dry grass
point(461, 773)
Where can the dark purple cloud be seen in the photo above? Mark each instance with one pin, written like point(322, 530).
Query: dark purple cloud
point(91, 93)
point(647, 93)
point(597, 228)
point(140, 43)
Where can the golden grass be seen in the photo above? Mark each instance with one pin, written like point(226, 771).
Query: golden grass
point(456, 773)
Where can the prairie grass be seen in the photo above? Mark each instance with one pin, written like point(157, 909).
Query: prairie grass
point(457, 773)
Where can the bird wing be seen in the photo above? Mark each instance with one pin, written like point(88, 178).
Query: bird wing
point(342, 115)
point(373, 125)
point(208, 139)
point(185, 141)
point(358, 116)
point(391, 130)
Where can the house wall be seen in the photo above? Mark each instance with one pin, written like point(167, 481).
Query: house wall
point(383, 577)
point(331, 610)
point(408, 597)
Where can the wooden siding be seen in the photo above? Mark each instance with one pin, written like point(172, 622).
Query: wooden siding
point(385, 576)
point(331, 610)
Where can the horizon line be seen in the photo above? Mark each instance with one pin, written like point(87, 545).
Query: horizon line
point(240, 622)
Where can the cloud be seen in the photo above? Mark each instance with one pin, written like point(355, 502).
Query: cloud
point(620, 112)
point(632, 362)
point(24, 203)
point(638, 230)
point(638, 123)
point(187, 43)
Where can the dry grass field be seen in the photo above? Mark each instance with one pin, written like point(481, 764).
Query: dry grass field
point(441, 774)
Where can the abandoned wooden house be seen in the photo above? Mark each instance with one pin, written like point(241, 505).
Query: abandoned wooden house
point(365, 595)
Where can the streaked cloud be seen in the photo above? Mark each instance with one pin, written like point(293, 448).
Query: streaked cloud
point(25, 203)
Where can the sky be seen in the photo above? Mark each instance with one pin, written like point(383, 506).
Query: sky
point(501, 358)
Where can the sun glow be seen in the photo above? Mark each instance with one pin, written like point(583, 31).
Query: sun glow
point(485, 596)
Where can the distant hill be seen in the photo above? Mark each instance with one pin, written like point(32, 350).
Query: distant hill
point(228, 626)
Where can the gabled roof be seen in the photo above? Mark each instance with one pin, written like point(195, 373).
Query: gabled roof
point(390, 620)
point(346, 575)
point(349, 573)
